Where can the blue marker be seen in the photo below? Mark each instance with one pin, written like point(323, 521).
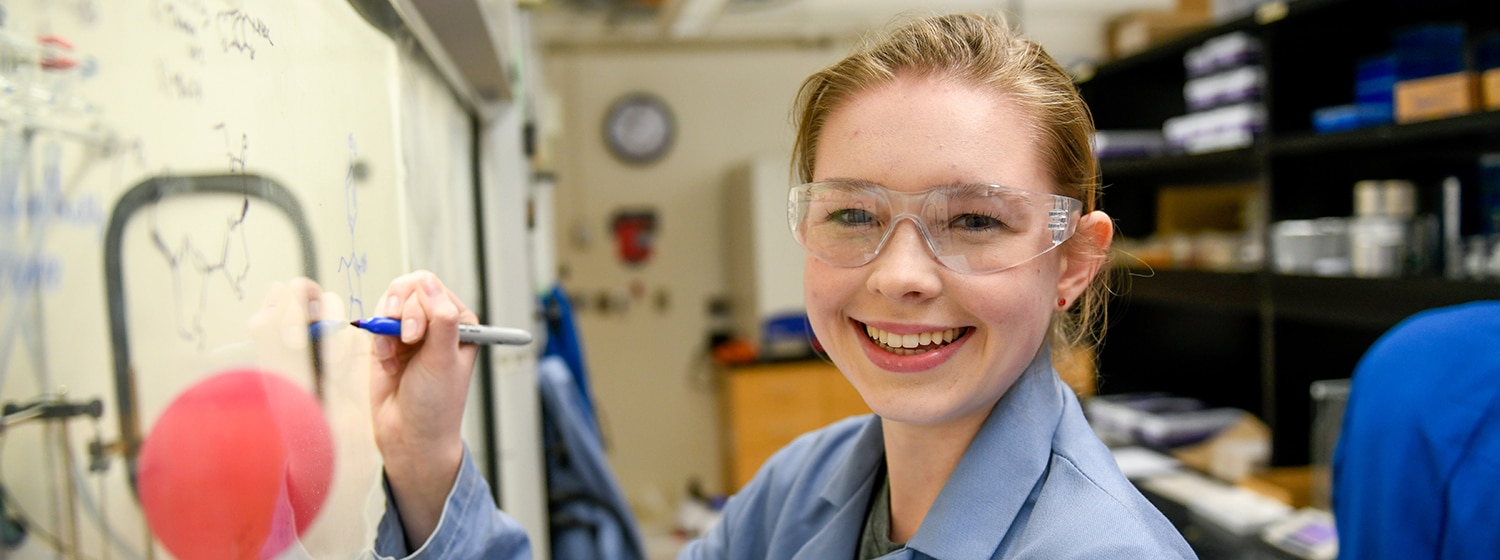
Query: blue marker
point(472, 334)
point(323, 329)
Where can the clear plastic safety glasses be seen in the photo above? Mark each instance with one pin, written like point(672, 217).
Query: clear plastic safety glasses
point(972, 229)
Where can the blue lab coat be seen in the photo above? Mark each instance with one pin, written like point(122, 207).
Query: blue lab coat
point(470, 527)
point(589, 517)
point(1416, 473)
point(1035, 483)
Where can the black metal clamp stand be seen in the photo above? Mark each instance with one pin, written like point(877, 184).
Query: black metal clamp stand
point(48, 408)
point(153, 191)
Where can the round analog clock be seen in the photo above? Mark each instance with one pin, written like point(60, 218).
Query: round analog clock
point(638, 128)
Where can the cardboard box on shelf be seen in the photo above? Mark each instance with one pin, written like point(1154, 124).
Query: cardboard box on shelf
point(1196, 208)
point(1139, 30)
point(1196, 7)
point(1448, 95)
point(1490, 84)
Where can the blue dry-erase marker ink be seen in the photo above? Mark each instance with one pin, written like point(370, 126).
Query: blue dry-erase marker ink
point(472, 334)
point(320, 330)
point(379, 325)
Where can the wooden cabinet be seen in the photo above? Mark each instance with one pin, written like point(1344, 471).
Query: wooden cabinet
point(766, 406)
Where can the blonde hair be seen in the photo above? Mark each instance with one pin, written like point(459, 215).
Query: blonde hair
point(983, 51)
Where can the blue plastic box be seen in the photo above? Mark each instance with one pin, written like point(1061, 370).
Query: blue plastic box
point(1375, 79)
point(1429, 49)
point(1487, 52)
point(1340, 118)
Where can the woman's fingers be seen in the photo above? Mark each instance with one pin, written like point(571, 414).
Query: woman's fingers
point(464, 314)
point(309, 296)
point(428, 312)
point(392, 305)
point(414, 316)
point(441, 310)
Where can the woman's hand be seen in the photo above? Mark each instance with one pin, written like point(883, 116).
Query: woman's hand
point(279, 330)
point(418, 387)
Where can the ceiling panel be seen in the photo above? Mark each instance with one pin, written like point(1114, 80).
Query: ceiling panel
point(585, 21)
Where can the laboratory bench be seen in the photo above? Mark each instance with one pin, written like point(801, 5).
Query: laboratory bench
point(1210, 540)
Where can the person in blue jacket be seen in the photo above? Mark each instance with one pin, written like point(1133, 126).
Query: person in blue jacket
point(1416, 470)
point(948, 210)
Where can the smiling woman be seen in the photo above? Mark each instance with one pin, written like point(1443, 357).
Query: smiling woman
point(953, 246)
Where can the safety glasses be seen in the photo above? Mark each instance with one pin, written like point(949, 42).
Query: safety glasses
point(971, 229)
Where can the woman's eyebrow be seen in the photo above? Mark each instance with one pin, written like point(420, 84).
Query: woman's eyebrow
point(852, 181)
point(985, 188)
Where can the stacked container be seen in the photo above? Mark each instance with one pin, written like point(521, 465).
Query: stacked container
point(1223, 93)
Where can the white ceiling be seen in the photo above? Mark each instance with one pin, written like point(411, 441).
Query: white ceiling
point(883, 9)
point(1071, 30)
point(560, 22)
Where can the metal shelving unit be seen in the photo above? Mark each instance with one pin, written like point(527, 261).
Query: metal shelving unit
point(1261, 338)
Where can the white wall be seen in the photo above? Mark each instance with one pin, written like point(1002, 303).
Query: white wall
point(648, 366)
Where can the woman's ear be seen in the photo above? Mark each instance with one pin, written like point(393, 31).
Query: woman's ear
point(1084, 254)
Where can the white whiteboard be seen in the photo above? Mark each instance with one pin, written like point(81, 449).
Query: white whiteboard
point(163, 99)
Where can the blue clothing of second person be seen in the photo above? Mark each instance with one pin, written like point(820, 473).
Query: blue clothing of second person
point(1035, 483)
point(1416, 472)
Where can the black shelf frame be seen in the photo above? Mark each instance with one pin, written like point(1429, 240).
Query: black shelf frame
point(1347, 302)
point(1225, 165)
point(1223, 291)
point(1334, 301)
point(1172, 50)
point(1255, 340)
point(1475, 127)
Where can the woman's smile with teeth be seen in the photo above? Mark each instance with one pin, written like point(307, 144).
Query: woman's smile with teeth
point(916, 343)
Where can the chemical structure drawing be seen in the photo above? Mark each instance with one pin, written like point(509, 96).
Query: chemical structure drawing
point(354, 264)
point(194, 265)
point(28, 269)
point(187, 260)
point(235, 151)
point(239, 32)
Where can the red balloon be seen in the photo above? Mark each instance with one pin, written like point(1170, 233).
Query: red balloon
point(237, 466)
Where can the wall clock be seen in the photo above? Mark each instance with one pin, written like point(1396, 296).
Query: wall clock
point(639, 128)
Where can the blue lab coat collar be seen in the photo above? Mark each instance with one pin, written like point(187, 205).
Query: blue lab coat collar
point(1014, 444)
point(849, 494)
